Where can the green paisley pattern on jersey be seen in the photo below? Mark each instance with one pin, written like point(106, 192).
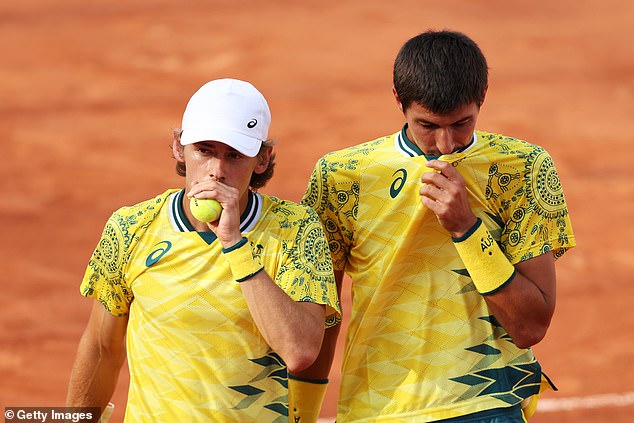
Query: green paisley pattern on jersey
point(122, 231)
point(347, 198)
point(308, 251)
point(527, 197)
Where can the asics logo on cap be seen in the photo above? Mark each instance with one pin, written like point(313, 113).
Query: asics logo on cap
point(252, 123)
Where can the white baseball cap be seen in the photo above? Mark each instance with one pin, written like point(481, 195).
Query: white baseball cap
point(230, 111)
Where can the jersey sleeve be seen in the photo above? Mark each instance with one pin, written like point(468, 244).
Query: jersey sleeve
point(334, 195)
point(307, 273)
point(538, 221)
point(104, 279)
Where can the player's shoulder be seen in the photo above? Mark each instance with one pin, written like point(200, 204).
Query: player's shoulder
point(506, 144)
point(349, 161)
point(141, 214)
point(127, 225)
point(500, 147)
point(503, 153)
point(285, 216)
point(360, 151)
point(284, 207)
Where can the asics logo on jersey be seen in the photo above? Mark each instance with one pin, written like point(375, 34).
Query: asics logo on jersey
point(398, 183)
point(252, 123)
point(162, 248)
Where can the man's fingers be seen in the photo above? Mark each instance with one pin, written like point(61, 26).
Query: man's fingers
point(210, 189)
point(431, 191)
point(445, 169)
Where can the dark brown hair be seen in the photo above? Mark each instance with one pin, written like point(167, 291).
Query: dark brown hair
point(441, 71)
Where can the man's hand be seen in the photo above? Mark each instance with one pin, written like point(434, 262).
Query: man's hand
point(227, 228)
point(444, 193)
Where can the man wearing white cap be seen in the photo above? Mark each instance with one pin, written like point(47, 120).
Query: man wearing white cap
point(215, 315)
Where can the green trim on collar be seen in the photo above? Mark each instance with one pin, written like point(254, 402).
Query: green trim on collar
point(407, 145)
point(183, 224)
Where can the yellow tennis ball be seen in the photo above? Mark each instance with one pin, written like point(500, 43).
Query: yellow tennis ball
point(205, 209)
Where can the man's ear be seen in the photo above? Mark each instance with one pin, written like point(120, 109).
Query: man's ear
point(398, 99)
point(178, 150)
point(264, 156)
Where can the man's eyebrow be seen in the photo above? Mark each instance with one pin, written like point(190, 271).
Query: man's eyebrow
point(464, 119)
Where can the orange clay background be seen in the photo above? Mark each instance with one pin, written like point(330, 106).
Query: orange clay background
point(89, 92)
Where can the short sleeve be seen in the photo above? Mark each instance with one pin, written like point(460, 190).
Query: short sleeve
point(307, 273)
point(334, 195)
point(104, 278)
point(538, 220)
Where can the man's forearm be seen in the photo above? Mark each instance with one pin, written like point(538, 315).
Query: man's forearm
point(93, 378)
point(100, 355)
point(293, 329)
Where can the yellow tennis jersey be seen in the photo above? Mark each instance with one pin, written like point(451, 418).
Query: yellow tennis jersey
point(422, 344)
point(194, 351)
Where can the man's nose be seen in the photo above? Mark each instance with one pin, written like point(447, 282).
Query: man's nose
point(445, 141)
point(216, 168)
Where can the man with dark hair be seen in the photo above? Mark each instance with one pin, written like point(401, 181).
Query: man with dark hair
point(215, 313)
point(449, 235)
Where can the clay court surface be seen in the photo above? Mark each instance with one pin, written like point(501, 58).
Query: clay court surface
point(89, 91)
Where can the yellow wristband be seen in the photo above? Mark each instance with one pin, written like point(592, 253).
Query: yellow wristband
point(487, 265)
point(241, 260)
point(305, 397)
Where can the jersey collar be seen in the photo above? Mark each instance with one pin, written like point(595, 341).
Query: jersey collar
point(409, 149)
point(180, 223)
